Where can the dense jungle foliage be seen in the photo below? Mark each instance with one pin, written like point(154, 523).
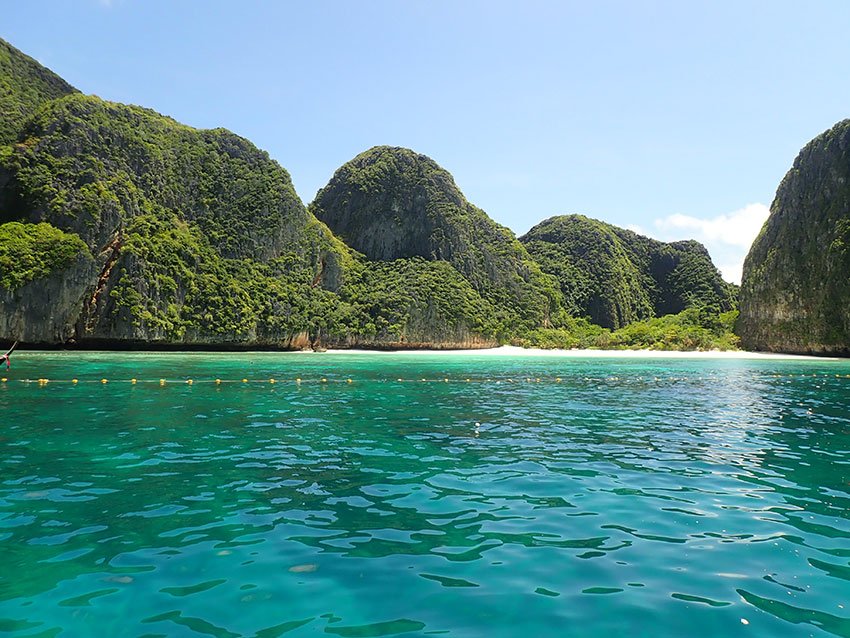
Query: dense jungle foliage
point(392, 203)
point(24, 86)
point(616, 277)
point(692, 329)
point(33, 251)
point(146, 231)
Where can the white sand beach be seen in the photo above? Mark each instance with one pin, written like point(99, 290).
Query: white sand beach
point(515, 351)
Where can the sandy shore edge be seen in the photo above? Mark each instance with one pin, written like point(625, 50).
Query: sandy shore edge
point(502, 351)
point(514, 351)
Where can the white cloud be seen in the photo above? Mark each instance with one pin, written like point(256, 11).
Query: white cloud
point(728, 237)
point(636, 229)
point(737, 229)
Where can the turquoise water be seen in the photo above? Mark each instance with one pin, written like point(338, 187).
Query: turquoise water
point(542, 497)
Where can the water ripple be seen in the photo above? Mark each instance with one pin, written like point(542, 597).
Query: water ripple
point(628, 497)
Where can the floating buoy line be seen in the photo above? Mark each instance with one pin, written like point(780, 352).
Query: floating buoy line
point(297, 381)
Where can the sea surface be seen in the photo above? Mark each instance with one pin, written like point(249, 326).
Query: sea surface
point(418, 495)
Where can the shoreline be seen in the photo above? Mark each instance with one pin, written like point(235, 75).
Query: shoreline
point(516, 351)
point(499, 351)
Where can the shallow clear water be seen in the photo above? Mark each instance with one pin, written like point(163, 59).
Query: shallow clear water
point(542, 497)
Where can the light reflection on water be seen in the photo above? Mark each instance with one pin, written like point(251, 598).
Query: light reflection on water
point(631, 497)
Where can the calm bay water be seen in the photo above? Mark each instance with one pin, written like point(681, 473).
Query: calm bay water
point(540, 497)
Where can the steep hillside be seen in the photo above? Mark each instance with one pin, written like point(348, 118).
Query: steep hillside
point(24, 86)
point(795, 293)
point(391, 203)
point(121, 227)
point(617, 277)
point(197, 236)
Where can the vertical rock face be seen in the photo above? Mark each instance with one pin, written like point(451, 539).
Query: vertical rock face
point(89, 166)
point(44, 276)
point(795, 292)
point(46, 310)
point(119, 226)
point(390, 203)
point(616, 277)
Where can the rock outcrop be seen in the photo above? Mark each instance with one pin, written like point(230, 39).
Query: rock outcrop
point(46, 310)
point(795, 292)
point(616, 277)
point(391, 203)
point(199, 236)
point(121, 227)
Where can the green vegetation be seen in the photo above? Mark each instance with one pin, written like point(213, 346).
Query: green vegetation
point(416, 301)
point(617, 277)
point(204, 235)
point(691, 329)
point(795, 293)
point(392, 203)
point(33, 251)
point(90, 165)
point(173, 284)
point(198, 237)
point(24, 86)
point(206, 241)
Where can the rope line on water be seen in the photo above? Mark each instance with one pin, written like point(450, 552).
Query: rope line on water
point(325, 380)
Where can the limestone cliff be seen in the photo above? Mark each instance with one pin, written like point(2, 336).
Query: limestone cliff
point(46, 310)
point(616, 277)
point(199, 236)
point(392, 203)
point(795, 293)
point(121, 227)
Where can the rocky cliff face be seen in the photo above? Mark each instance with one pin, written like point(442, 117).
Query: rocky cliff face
point(795, 292)
point(198, 236)
point(392, 203)
point(616, 277)
point(121, 227)
point(89, 166)
point(46, 310)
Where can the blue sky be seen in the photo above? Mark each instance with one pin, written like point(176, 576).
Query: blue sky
point(676, 118)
